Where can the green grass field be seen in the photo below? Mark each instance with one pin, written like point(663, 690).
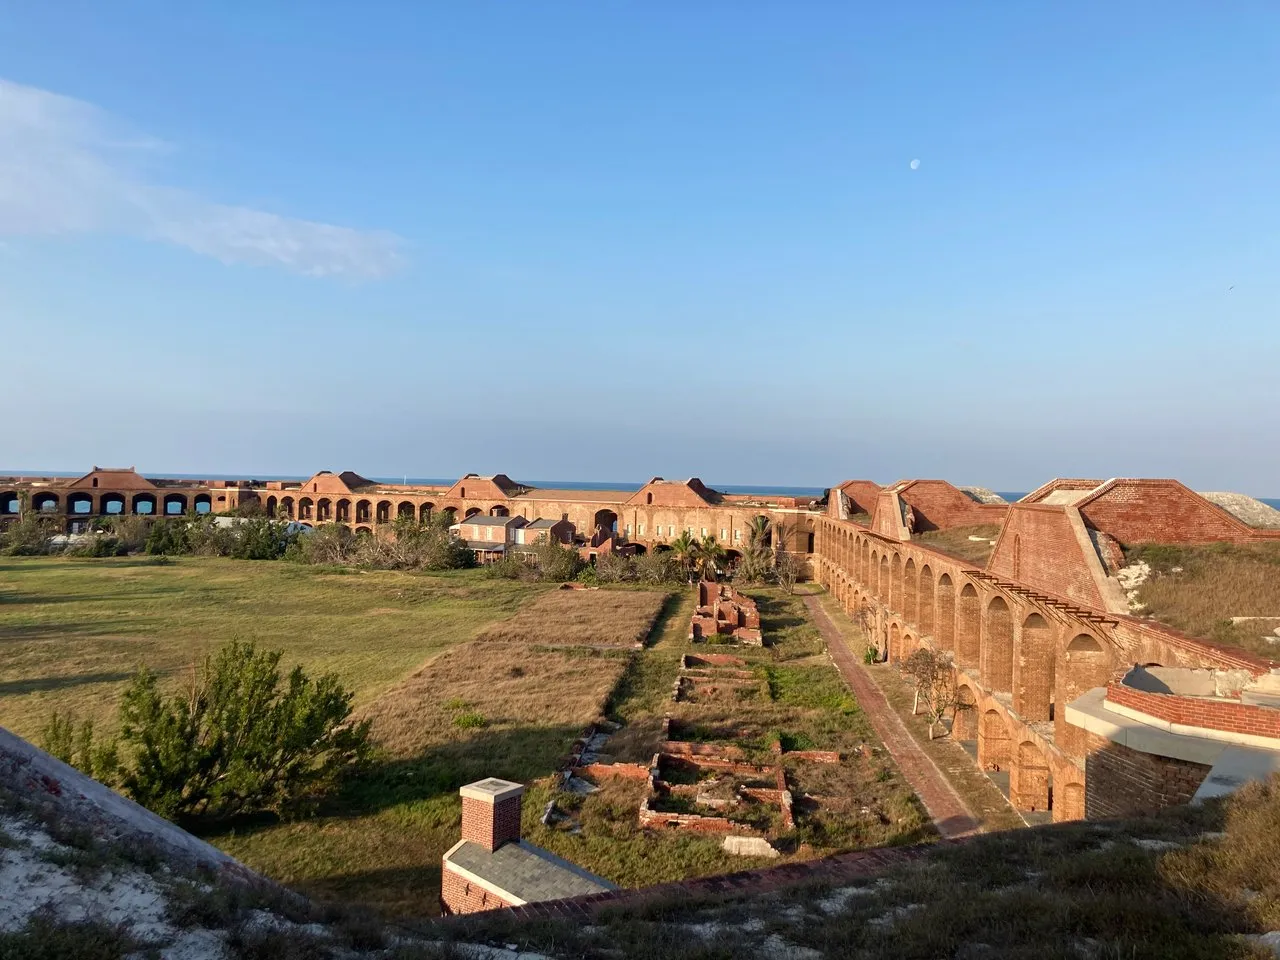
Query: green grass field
point(72, 632)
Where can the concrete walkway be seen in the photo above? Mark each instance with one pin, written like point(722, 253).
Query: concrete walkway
point(950, 814)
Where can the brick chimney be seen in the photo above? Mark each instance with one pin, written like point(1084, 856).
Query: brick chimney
point(491, 812)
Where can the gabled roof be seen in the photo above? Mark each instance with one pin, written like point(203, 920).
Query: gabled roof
point(481, 520)
point(674, 493)
point(119, 478)
point(1063, 484)
point(497, 487)
point(524, 873)
point(326, 481)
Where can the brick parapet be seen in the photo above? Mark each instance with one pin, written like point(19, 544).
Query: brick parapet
point(1210, 714)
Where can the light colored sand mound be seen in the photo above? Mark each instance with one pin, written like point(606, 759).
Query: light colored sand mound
point(1252, 511)
point(983, 495)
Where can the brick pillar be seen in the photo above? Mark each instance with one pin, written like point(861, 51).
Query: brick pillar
point(491, 812)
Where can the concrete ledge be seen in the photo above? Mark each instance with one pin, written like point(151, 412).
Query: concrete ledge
point(1137, 732)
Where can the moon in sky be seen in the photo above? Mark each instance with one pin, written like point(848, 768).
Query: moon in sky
point(915, 164)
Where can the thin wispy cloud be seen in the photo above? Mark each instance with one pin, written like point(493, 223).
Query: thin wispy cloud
point(67, 167)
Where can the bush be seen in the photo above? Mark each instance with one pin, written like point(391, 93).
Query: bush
point(98, 545)
point(238, 740)
point(470, 720)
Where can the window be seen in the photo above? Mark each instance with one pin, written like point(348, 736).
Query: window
point(642, 529)
point(627, 529)
point(737, 534)
point(704, 531)
point(724, 534)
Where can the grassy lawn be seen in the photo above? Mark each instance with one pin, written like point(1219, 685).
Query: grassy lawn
point(72, 632)
point(1199, 589)
point(956, 543)
point(798, 695)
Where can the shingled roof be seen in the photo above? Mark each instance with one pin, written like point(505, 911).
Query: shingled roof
point(524, 873)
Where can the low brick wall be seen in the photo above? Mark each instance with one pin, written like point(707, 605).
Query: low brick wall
point(621, 771)
point(1199, 711)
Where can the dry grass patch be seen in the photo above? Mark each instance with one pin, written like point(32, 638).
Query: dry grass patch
point(956, 543)
point(1199, 589)
point(486, 685)
point(582, 618)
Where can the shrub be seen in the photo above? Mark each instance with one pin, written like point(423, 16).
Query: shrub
point(470, 720)
point(870, 655)
point(238, 740)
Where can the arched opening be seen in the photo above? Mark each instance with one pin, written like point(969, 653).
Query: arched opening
point(1029, 779)
point(1068, 802)
point(45, 502)
point(305, 509)
point(997, 647)
point(424, 512)
point(662, 548)
point(175, 505)
point(1085, 665)
point(272, 503)
point(498, 510)
point(286, 506)
point(968, 627)
point(203, 503)
point(144, 504)
point(882, 582)
point(364, 511)
point(964, 725)
point(928, 618)
point(909, 595)
point(384, 511)
point(80, 504)
point(452, 514)
point(471, 512)
point(407, 511)
point(993, 743)
point(363, 532)
point(867, 560)
point(342, 511)
point(639, 549)
point(605, 521)
point(10, 503)
point(112, 504)
point(1033, 698)
point(324, 510)
point(648, 499)
point(945, 629)
point(895, 644)
point(895, 583)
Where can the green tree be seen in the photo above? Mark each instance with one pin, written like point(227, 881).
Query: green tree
point(240, 738)
point(757, 561)
point(684, 549)
point(709, 559)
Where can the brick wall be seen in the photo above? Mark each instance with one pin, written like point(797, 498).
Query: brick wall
point(1160, 511)
point(1200, 712)
point(939, 505)
point(460, 895)
point(1121, 782)
point(1038, 547)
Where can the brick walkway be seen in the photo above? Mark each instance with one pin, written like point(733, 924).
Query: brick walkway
point(950, 815)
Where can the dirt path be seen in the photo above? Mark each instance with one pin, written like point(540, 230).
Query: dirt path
point(950, 814)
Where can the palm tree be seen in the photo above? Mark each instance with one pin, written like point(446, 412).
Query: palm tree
point(758, 533)
point(685, 550)
point(757, 559)
point(708, 558)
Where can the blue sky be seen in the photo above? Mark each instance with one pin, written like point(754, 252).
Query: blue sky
point(605, 241)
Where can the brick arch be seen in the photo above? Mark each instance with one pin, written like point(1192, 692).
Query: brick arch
point(384, 511)
point(994, 751)
point(1086, 663)
point(895, 583)
point(406, 510)
point(968, 626)
point(286, 506)
point(342, 511)
point(1033, 698)
point(964, 723)
point(1029, 779)
point(945, 630)
point(882, 582)
point(324, 509)
point(306, 508)
point(364, 511)
point(867, 561)
point(928, 613)
point(910, 595)
point(895, 644)
point(997, 646)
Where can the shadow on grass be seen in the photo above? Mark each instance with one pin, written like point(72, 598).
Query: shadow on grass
point(428, 784)
point(55, 631)
point(670, 606)
point(45, 684)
